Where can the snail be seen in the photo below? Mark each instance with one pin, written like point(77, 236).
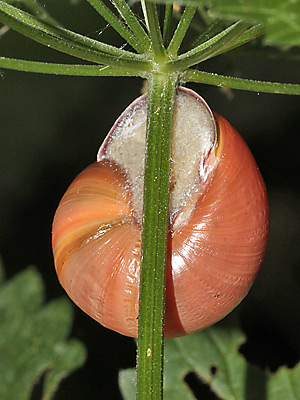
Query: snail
point(218, 222)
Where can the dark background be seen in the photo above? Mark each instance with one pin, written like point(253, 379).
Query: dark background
point(51, 129)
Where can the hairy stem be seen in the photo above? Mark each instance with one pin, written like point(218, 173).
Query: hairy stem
point(154, 236)
point(66, 69)
point(151, 17)
point(118, 25)
point(239, 83)
point(181, 30)
point(167, 24)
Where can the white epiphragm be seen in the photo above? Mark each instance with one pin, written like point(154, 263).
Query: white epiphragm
point(194, 134)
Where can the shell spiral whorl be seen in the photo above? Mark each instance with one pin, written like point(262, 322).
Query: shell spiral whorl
point(218, 222)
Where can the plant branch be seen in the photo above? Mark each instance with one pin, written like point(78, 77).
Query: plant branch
point(238, 83)
point(246, 37)
point(181, 30)
point(65, 69)
point(207, 49)
point(151, 17)
point(132, 22)
point(161, 95)
point(213, 29)
point(167, 24)
point(26, 23)
point(117, 25)
point(69, 42)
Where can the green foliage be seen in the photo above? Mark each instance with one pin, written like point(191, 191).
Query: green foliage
point(280, 18)
point(213, 355)
point(33, 338)
point(155, 51)
point(127, 383)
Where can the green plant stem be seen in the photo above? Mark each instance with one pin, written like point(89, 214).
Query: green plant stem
point(208, 49)
point(246, 37)
point(117, 24)
point(30, 26)
point(181, 30)
point(213, 29)
point(66, 69)
point(161, 94)
point(238, 83)
point(132, 22)
point(167, 24)
point(69, 42)
point(153, 26)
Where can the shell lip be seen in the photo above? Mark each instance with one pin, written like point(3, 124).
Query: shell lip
point(199, 98)
point(102, 150)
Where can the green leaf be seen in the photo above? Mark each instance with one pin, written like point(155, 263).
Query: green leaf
point(207, 78)
point(67, 41)
point(181, 30)
point(213, 355)
point(210, 48)
point(32, 338)
point(127, 383)
point(117, 24)
point(132, 21)
point(152, 22)
point(285, 384)
point(280, 18)
point(2, 273)
point(65, 69)
point(214, 349)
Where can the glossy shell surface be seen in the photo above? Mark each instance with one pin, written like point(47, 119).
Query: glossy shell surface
point(217, 237)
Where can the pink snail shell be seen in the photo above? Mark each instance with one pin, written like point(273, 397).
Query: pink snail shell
point(218, 225)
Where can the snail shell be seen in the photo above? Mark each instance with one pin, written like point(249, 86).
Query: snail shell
point(217, 232)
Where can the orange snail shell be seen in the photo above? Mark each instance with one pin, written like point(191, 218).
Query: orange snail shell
point(217, 234)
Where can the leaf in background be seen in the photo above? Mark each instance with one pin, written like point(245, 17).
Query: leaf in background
point(285, 384)
point(36, 8)
point(2, 273)
point(32, 338)
point(213, 355)
point(75, 2)
point(280, 18)
point(127, 383)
